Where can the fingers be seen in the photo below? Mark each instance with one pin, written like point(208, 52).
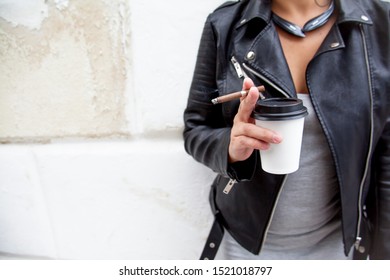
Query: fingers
point(258, 133)
point(247, 105)
point(245, 135)
point(248, 83)
point(245, 138)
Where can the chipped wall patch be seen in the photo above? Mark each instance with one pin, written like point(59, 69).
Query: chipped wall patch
point(28, 13)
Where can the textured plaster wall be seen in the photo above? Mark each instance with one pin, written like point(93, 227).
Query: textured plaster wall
point(63, 73)
point(92, 164)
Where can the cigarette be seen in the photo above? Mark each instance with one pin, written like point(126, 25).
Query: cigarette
point(235, 95)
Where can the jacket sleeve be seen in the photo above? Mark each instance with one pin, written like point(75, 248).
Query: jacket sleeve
point(206, 134)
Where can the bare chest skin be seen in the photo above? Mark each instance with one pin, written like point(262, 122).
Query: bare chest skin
point(299, 51)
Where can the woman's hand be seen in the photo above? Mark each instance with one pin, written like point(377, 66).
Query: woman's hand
point(245, 136)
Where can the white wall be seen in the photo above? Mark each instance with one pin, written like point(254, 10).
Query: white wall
point(92, 164)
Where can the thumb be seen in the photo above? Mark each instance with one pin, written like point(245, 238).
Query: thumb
point(248, 104)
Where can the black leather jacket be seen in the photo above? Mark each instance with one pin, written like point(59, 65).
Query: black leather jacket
point(349, 84)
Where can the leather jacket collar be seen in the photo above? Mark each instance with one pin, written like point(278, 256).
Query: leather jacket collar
point(349, 11)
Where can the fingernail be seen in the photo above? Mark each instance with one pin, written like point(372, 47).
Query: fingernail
point(276, 138)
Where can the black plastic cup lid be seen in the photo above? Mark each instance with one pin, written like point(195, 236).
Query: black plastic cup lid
point(279, 109)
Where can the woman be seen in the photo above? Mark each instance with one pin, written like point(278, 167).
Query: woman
point(335, 56)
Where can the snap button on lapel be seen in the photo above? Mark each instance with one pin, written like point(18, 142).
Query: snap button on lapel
point(365, 18)
point(335, 45)
point(250, 55)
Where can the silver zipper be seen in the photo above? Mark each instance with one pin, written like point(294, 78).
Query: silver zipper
point(360, 213)
point(240, 73)
point(266, 80)
point(229, 186)
point(273, 211)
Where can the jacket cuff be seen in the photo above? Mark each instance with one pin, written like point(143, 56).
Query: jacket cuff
point(243, 170)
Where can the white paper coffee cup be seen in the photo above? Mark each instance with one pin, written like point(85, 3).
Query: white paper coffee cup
point(286, 117)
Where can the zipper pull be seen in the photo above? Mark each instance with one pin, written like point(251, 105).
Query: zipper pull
point(239, 71)
point(357, 242)
point(229, 186)
point(361, 249)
